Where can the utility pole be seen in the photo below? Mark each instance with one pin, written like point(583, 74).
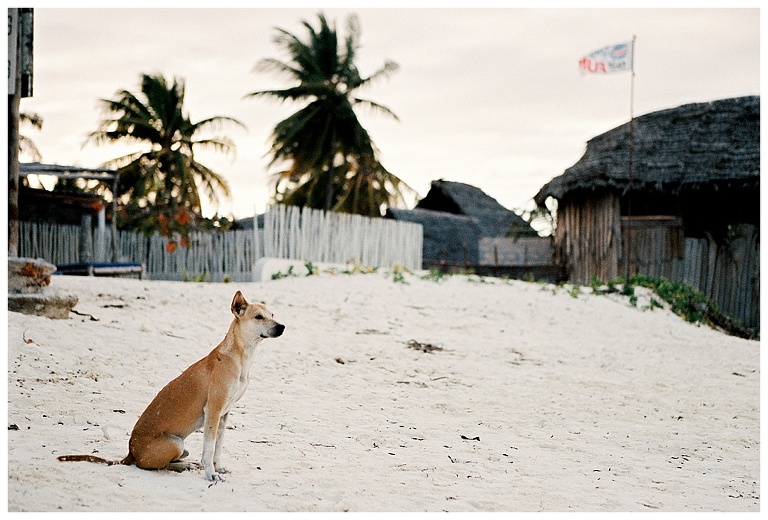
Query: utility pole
point(20, 37)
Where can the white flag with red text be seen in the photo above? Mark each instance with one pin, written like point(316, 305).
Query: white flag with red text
point(613, 58)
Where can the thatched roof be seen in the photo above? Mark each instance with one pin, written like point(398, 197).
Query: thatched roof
point(715, 144)
point(493, 219)
point(455, 216)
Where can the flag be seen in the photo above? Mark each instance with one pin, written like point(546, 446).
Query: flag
point(613, 58)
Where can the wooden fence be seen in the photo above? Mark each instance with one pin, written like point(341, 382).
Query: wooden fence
point(728, 273)
point(319, 236)
point(593, 241)
point(289, 232)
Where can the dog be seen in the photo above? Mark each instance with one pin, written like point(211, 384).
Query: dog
point(201, 396)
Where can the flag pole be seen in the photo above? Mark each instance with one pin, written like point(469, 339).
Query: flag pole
point(631, 126)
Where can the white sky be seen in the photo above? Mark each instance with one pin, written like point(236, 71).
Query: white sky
point(490, 97)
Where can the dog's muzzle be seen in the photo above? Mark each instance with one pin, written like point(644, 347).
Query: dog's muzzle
point(275, 331)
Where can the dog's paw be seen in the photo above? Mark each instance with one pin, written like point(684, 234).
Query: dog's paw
point(213, 477)
point(220, 469)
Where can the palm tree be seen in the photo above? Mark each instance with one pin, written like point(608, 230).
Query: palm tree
point(25, 143)
point(329, 161)
point(163, 180)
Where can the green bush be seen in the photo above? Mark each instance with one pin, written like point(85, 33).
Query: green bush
point(685, 301)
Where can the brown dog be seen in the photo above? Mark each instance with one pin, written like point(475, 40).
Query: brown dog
point(201, 396)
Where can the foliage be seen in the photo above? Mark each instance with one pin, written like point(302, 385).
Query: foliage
point(280, 274)
point(398, 273)
point(26, 145)
point(197, 278)
point(360, 269)
point(684, 300)
point(435, 275)
point(544, 216)
point(176, 224)
point(160, 185)
point(530, 214)
point(70, 186)
point(327, 159)
point(314, 270)
point(311, 268)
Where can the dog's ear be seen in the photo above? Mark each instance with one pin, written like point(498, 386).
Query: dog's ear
point(239, 304)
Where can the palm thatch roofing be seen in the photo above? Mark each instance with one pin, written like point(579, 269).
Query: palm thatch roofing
point(493, 219)
point(455, 216)
point(700, 145)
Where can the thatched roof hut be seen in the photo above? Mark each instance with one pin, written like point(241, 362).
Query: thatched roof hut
point(454, 217)
point(688, 208)
point(704, 148)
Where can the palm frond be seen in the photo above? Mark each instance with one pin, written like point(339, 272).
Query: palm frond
point(27, 146)
point(32, 118)
point(389, 68)
point(303, 91)
point(376, 107)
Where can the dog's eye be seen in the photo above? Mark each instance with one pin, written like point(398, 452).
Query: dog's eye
point(259, 317)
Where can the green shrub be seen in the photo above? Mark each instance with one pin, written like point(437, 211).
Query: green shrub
point(398, 273)
point(279, 275)
point(685, 301)
point(435, 275)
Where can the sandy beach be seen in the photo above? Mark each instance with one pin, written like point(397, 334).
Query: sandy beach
point(465, 394)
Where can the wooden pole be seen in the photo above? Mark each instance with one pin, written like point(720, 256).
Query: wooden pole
point(628, 238)
point(115, 183)
point(20, 38)
point(14, 104)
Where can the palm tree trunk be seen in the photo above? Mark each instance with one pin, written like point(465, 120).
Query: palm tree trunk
point(329, 184)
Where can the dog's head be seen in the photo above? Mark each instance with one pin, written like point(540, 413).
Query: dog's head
point(255, 319)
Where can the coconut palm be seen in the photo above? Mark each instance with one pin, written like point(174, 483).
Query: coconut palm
point(327, 158)
point(26, 146)
point(162, 179)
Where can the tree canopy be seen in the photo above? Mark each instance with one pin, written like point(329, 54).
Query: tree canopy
point(162, 185)
point(326, 158)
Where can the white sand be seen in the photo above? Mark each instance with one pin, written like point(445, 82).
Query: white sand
point(539, 400)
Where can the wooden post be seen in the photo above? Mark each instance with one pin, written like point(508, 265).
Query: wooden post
point(86, 240)
point(13, 175)
point(115, 183)
point(14, 103)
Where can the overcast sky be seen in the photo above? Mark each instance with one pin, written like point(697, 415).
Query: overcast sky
point(489, 97)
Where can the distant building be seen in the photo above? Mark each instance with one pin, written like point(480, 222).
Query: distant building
point(59, 207)
point(85, 210)
point(689, 210)
point(458, 220)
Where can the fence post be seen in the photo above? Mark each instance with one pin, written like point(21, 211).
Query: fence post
point(86, 239)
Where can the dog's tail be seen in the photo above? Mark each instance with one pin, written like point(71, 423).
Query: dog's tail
point(127, 461)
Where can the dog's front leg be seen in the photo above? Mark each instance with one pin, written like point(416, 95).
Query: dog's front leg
point(210, 433)
point(219, 444)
